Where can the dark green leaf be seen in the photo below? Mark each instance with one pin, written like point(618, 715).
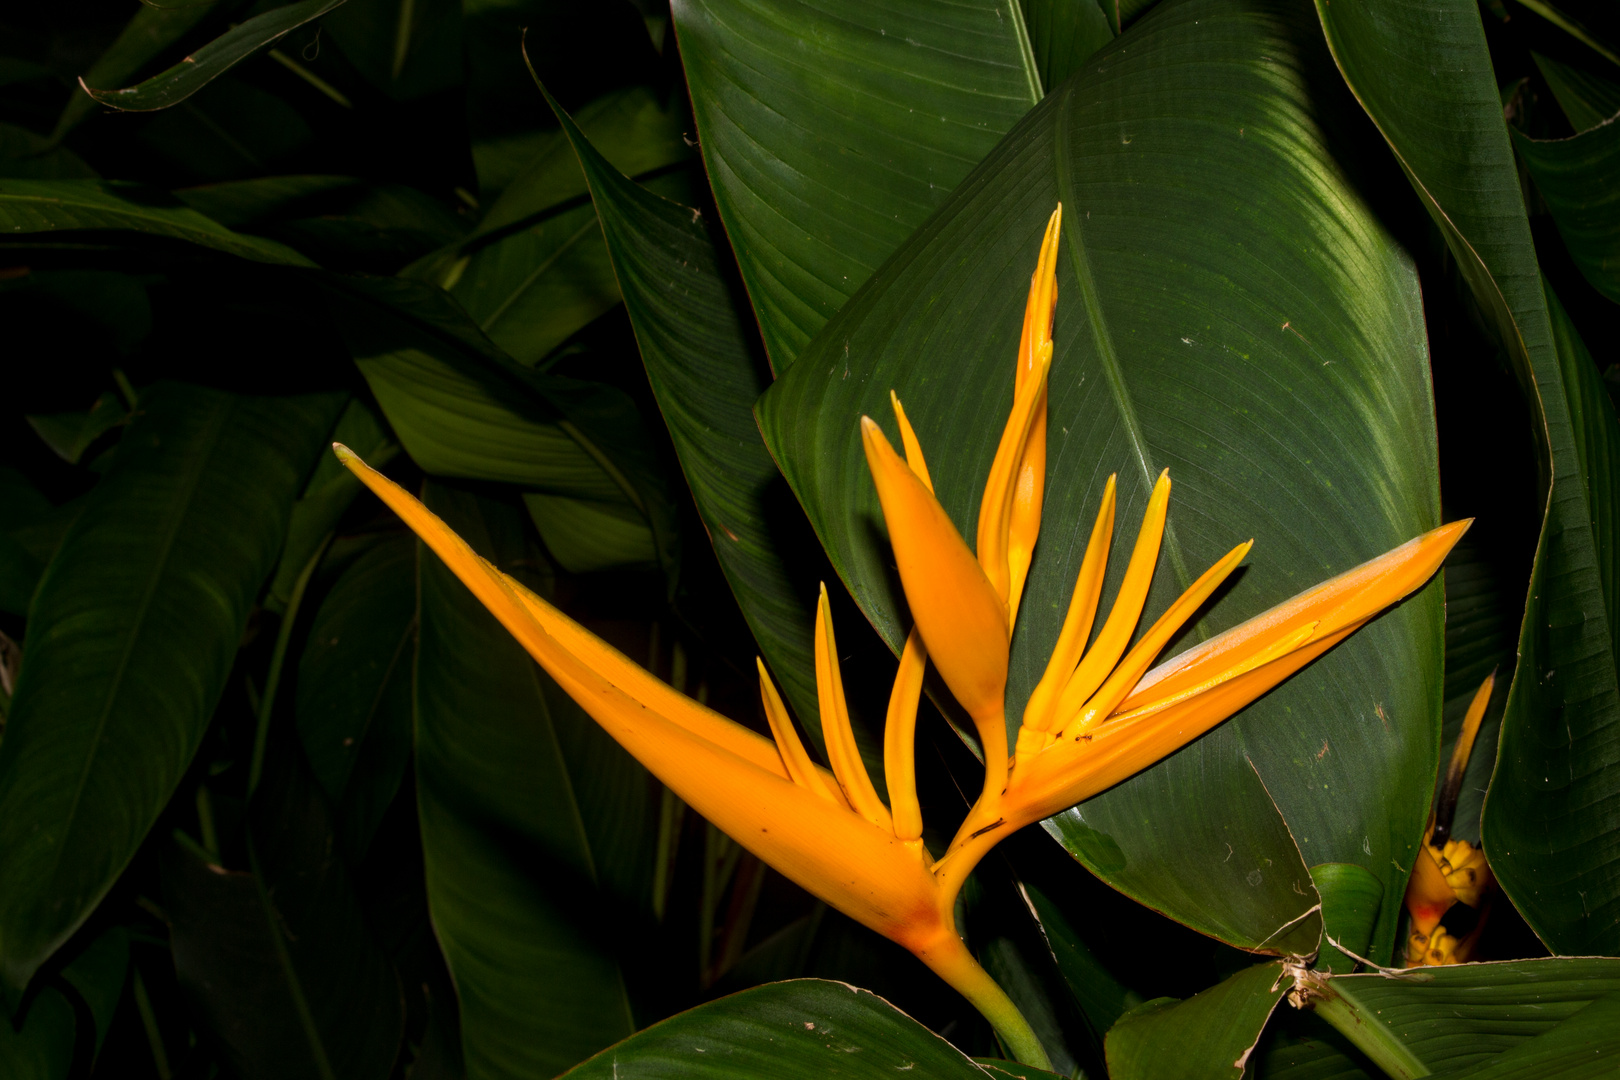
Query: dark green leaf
point(706, 377)
point(1587, 99)
point(831, 134)
point(1231, 310)
point(802, 1028)
point(1101, 996)
point(1063, 33)
point(134, 630)
point(49, 206)
point(511, 776)
point(406, 50)
point(1458, 1018)
point(38, 1044)
point(1236, 875)
point(150, 31)
point(212, 60)
point(463, 409)
point(70, 434)
point(1425, 77)
point(1210, 1035)
point(535, 270)
point(1587, 1045)
point(98, 974)
point(354, 688)
point(1299, 1045)
point(1575, 177)
point(279, 962)
point(1352, 900)
point(1482, 609)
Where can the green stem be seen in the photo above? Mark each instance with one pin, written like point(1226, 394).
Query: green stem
point(278, 656)
point(1336, 1003)
point(154, 1037)
point(1016, 1034)
point(948, 957)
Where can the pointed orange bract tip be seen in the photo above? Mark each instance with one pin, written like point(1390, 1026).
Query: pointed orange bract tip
point(962, 620)
point(1349, 599)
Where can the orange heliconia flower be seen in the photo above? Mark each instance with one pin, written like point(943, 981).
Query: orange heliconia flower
point(1098, 716)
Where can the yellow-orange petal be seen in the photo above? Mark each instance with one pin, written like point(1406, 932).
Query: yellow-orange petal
point(1105, 652)
point(1129, 671)
point(900, 739)
point(863, 871)
point(1348, 599)
point(962, 620)
point(842, 753)
point(995, 507)
point(489, 585)
point(908, 439)
point(801, 768)
point(1041, 712)
point(1428, 897)
point(1074, 769)
point(1034, 351)
point(1445, 804)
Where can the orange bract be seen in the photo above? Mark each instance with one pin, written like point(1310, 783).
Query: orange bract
point(1098, 715)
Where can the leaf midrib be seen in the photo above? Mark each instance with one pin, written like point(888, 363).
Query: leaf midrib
point(1103, 339)
point(193, 478)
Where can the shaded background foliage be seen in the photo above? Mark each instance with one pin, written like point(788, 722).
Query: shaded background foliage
point(278, 798)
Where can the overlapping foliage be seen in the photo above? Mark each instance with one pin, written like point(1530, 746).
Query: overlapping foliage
point(277, 797)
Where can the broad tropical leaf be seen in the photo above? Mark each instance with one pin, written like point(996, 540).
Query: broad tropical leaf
point(354, 689)
point(133, 632)
point(1207, 1037)
point(822, 163)
point(50, 206)
point(512, 776)
point(706, 376)
point(803, 1028)
point(1552, 822)
point(212, 60)
point(463, 409)
point(1576, 178)
point(1229, 309)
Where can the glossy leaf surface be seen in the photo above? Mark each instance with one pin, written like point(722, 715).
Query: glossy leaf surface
point(1587, 99)
point(1552, 823)
point(48, 206)
point(706, 377)
point(1207, 1036)
point(535, 270)
point(354, 688)
point(511, 776)
point(1282, 380)
point(821, 162)
point(800, 1028)
point(150, 30)
point(212, 60)
point(1063, 33)
point(1576, 178)
point(1459, 1018)
point(134, 630)
point(462, 409)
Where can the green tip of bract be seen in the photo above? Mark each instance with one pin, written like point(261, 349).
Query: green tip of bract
point(344, 454)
